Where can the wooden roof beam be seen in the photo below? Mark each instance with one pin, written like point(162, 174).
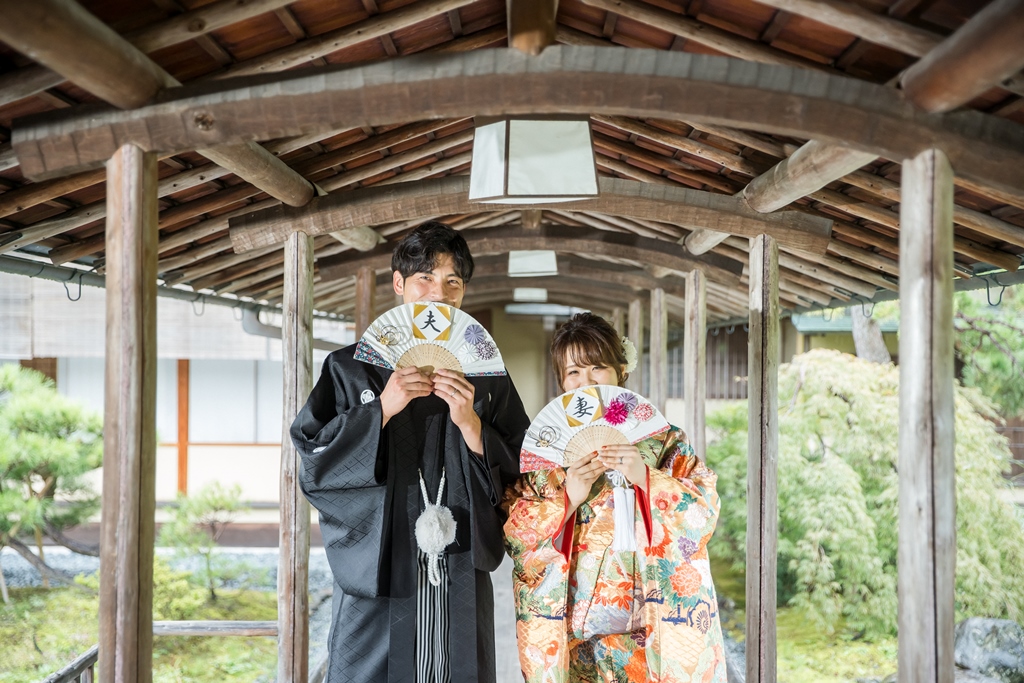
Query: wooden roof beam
point(108, 66)
point(561, 80)
point(559, 239)
point(181, 28)
point(717, 39)
point(982, 53)
point(448, 196)
point(879, 29)
point(305, 52)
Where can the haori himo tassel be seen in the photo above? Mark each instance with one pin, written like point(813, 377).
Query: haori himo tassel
point(435, 530)
point(624, 502)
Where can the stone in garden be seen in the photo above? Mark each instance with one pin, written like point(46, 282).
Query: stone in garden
point(968, 676)
point(735, 660)
point(959, 676)
point(992, 647)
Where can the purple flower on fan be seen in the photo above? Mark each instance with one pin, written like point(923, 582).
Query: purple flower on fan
point(486, 350)
point(687, 547)
point(475, 334)
point(616, 413)
point(628, 399)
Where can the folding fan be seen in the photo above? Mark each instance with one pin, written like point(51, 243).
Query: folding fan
point(582, 420)
point(430, 335)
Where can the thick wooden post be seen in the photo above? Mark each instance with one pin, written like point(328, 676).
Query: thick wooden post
point(695, 372)
point(762, 458)
point(293, 564)
point(636, 335)
point(659, 349)
point(129, 421)
point(366, 287)
point(927, 495)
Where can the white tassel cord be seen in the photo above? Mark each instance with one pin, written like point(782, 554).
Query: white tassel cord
point(624, 502)
point(435, 530)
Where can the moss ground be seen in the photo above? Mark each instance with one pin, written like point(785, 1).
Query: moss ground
point(806, 653)
point(43, 630)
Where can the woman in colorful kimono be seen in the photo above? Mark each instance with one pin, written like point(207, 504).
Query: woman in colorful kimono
point(587, 612)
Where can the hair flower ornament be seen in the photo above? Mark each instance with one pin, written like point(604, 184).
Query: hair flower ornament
point(629, 349)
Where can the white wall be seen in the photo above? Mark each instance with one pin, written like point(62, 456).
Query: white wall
point(82, 379)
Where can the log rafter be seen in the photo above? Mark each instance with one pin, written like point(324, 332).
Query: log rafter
point(562, 79)
point(449, 196)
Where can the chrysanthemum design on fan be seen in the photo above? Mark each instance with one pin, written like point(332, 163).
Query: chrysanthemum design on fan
point(582, 420)
point(430, 336)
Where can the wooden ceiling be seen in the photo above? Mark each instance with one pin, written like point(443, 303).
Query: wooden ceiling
point(61, 220)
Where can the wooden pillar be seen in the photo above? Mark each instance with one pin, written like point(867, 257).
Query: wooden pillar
point(129, 421)
point(366, 287)
point(762, 458)
point(927, 495)
point(695, 372)
point(293, 563)
point(636, 335)
point(183, 379)
point(617, 321)
point(659, 349)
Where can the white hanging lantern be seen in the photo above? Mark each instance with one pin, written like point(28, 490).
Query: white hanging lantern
point(534, 160)
point(532, 295)
point(532, 263)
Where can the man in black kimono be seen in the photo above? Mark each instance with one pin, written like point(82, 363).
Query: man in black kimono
point(364, 435)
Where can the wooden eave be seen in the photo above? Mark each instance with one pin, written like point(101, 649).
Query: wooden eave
point(64, 221)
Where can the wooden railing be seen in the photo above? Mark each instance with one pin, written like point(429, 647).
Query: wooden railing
point(82, 670)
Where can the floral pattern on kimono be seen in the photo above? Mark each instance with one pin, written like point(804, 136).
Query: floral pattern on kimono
point(586, 613)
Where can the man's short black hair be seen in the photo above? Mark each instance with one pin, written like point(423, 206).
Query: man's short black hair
point(418, 251)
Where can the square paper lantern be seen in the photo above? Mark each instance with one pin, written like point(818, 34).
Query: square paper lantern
point(532, 161)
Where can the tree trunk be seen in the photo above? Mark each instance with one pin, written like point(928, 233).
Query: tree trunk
point(867, 337)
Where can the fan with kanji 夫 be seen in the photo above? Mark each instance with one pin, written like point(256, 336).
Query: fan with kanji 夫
point(430, 336)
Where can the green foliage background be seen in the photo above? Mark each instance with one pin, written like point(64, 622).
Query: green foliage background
point(989, 342)
point(839, 419)
point(47, 442)
point(195, 527)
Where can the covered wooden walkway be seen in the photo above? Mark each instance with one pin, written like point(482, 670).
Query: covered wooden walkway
point(756, 158)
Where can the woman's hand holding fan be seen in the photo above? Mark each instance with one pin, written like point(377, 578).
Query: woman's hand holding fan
point(580, 477)
point(626, 459)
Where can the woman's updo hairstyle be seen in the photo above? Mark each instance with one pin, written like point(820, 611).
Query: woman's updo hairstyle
point(587, 339)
